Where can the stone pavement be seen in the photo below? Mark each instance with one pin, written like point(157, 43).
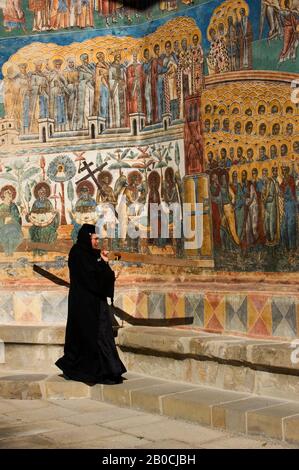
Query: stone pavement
point(89, 424)
point(221, 410)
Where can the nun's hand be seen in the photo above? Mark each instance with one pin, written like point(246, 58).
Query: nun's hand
point(104, 255)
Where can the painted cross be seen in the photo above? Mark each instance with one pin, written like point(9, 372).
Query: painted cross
point(84, 166)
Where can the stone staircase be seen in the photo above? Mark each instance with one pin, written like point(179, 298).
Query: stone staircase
point(247, 386)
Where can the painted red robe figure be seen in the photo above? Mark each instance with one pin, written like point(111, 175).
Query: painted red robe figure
point(290, 34)
point(135, 87)
point(13, 15)
point(107, 7)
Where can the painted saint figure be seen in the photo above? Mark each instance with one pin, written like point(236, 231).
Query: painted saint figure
point(85, 208)
point(170, 94)
point(84, 13)
point(229, 236)
point(184, 74)
point(197, 64)
point(171, 198)
point(218, 59)
point(269, 196)
point(135, 87)
point(157, 72)
point(13, 15)
point(147, 64)
point(11, 92)
point(290, 22)
point(106, 200)
point(289, 221)
point(71, 75)
point(41, 12)
point(247, 212)
point(61, 12)
point(43, 217)
point(58, 91)
point(107, 7)
point(10, 221)
point(244, 43)
point(86, 91)
point(101, 94)
point(39, 100)
point(231, 44)
point(23, 96)
point(117, 88)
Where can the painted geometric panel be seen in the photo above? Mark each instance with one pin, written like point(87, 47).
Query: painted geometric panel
point(156, 305)
point(259, 315)
point(214, 311)
point(129, 302)
point(284, 316)
point(6, 308)
point(54, 306)
point(175, 305)
point(27, 307)
point(194, 307)
point(142, 305)
point(236, 312)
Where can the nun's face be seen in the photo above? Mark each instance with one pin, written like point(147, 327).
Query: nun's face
point(94, 241)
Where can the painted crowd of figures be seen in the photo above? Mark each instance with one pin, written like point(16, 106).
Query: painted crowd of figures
point(230, 37)
point(51, 15)
point(128, 199)
point(69, 93)
point(231, 44)
point(260, 209)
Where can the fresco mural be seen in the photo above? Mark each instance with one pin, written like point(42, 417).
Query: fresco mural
point(123, 109)
point(46, 15)
point(46, 200)
point(68, 86)
point(252, 158)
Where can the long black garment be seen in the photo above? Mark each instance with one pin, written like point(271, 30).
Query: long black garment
point(90, 354)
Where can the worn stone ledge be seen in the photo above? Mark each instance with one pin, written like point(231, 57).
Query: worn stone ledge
point(263, 355)
point(32, 334)
point(178, 343)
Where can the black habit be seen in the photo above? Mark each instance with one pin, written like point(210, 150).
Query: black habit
point(90, 354)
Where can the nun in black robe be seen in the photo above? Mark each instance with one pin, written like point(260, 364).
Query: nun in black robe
point(90, 354)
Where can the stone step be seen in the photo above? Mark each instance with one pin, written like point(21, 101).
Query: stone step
point(31, 347)
point(228, 362)
point(232, 363)
point(235, 412)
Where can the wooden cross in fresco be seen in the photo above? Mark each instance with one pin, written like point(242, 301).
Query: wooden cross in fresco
point(84, 166)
